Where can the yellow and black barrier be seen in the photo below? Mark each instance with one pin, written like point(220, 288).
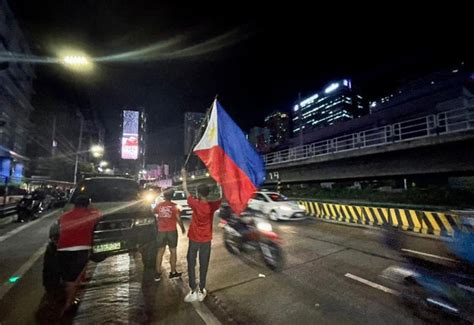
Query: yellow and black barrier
point(419, 221)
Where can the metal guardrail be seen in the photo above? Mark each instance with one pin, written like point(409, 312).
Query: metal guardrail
point(452, 121)
point(7, 210)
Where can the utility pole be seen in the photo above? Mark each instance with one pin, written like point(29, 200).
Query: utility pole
point(78, 147)
point(53, 138)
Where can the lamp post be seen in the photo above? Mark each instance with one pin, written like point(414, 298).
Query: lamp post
point(78, 62)
point(78, 147)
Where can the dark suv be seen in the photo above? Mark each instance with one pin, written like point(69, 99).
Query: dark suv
point(127, 222)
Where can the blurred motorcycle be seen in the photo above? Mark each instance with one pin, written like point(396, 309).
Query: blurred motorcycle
point(252, 233)
point(445, 286)
point(29, 207)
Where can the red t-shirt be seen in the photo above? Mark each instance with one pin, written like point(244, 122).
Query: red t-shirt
point(200, 229)
point(166, 216)
point(76, 227)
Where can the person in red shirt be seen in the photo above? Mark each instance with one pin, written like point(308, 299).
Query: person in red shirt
point(74, 244)
point(167, 215)
point(200, 236)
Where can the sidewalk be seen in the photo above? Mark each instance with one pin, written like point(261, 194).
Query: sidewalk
point(121, 292)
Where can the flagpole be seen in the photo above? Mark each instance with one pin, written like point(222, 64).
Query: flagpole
point(198, 136)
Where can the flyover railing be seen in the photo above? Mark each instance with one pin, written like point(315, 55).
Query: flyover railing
point(457, 120)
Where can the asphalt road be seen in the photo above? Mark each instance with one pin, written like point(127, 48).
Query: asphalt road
point(324, 280)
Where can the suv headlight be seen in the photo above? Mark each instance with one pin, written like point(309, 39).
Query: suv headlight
point(149, 197)
point(301, 206)
point(144, 221)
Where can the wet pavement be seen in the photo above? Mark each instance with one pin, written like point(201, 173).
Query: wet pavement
point(313, 287)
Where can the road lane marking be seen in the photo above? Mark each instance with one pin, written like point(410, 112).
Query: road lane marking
point(21, 228)
point(201, 309)
point(21, 271)
point(371, 284)
point(428, 255)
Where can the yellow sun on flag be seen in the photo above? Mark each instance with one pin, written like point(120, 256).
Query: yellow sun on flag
point(212, 133)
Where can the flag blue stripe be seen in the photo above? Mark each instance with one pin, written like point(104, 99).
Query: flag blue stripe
point(234, 143)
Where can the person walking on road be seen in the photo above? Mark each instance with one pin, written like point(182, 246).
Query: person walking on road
point(200, 236)
point(74, 244)
point(167, 215)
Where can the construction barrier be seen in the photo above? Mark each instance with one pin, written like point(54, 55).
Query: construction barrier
point(419, 221)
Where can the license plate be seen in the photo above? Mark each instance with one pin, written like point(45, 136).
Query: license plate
point(106, 247)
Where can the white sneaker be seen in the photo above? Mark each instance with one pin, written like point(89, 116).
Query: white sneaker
point(191, 296)
point(201, 295)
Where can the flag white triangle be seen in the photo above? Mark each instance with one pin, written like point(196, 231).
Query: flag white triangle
point(210, 136)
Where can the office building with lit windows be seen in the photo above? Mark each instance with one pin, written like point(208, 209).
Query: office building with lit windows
point(279, 125)
point(260, 138)
point(337, 102)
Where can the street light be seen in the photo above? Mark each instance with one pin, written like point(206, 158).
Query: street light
point(76, 61)
point(103, 163)
point(97, 151)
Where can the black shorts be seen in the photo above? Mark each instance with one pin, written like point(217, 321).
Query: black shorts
point(72, 263)
point(169, 238)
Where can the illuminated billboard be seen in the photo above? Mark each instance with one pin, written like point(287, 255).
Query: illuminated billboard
point(130, 134)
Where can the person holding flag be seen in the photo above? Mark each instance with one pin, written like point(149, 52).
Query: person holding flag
point(235, 165)
point(200, 236)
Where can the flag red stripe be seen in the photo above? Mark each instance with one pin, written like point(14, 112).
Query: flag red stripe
point(236, 185)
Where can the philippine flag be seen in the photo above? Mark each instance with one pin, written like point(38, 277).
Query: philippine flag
point(230, 159)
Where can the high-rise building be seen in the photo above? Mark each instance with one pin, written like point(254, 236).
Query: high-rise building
point(279, 125)
point(427, 92)
point(260, 138)
point(337, 102)
point(16, 89)
point(193, 125)
point(16, 79)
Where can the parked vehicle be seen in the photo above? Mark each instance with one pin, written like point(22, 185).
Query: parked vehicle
point(127, 223)
point(30, 207)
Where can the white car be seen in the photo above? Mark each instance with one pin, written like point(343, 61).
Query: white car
point(179, 197)
point(277, 206)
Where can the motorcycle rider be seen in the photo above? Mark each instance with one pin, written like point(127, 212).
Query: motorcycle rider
point(462, 244)
point(239, 223)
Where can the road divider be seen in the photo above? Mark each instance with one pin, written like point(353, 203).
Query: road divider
point(439, 224)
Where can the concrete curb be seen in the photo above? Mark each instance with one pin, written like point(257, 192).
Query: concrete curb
point(430, 223)
point(7, 220)
point(376, 228)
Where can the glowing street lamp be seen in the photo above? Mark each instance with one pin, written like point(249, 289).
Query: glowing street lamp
point(97, 151)
point(76, 61)
point(103, 163)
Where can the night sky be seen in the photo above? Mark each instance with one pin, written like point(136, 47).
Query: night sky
point(274, 54)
